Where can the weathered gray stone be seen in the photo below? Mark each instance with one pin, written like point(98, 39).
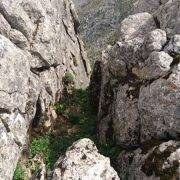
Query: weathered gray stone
point(82, 161)
point(150, 6)
point(38, 45)
point(156, 163)
point(166, 13)
point(18, 39)
point(136, 26)
point(168, 16)
point(125, 118)
point(5, 27)
point(140, 83)
point(157, 105)
point(7, 146)
point(155, 41)
point(174, 45)
point(157, 65)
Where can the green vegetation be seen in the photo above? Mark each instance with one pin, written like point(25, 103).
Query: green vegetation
point(19, 173)
point(77, 110)
point(68, 78)
point(49, 147)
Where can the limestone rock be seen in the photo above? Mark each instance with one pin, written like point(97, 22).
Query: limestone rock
point(158, 162)
point(158, 115)
point(82, 161)
point(166, 13)
point(139, 91)
point(136, 26)
point(174, 45)
point(38, 45)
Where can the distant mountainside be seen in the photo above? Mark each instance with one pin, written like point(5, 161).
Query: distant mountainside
point(100, 21)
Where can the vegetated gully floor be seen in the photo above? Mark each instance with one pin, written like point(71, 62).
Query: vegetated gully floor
point(75, 120)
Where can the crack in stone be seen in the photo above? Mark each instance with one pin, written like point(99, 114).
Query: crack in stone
point(38, 70)
point(66, 29)
point(5, 110)
point(84, 61)
point(13, 92)
point(5, 125)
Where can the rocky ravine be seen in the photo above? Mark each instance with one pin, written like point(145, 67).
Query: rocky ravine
point(135, 88)
point(139, 91)
point(39, 45)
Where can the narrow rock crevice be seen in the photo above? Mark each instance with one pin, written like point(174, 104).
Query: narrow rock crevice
point(176, 59)
point(5, 110)
point(38, 115)
point(75, 19)
point(82, 57)
point(38, 70)
point(67, 31)
point(5, 125)
point(158, 24)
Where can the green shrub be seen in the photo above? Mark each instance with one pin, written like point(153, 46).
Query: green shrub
point(68, 78)
point(60, 108)
point(19, 173)
point(39, 146)
point(51, 147)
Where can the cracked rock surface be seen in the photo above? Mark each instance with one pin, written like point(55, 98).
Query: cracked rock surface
point(39, 44)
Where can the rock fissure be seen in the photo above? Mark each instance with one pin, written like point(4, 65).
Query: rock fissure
point(5, 125)
point(67, 30)
point(83, 59)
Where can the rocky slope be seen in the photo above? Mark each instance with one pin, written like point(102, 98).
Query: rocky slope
point(138, 89)
point(39, 48)
point(135, 88)
point(100, 20)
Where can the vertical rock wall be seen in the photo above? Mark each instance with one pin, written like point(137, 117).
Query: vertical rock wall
point(39, 45)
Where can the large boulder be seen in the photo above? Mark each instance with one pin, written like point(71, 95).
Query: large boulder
point(82, 161)
point(166, 13)
point(139, 89)
point(39, 46)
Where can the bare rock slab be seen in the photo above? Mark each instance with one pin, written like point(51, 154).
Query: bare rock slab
point(83, 162)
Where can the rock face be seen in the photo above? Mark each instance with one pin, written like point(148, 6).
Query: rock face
point(82, 161)
point(39, 45)
point(100, 20)
point(139, 88)
point(160, 162)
